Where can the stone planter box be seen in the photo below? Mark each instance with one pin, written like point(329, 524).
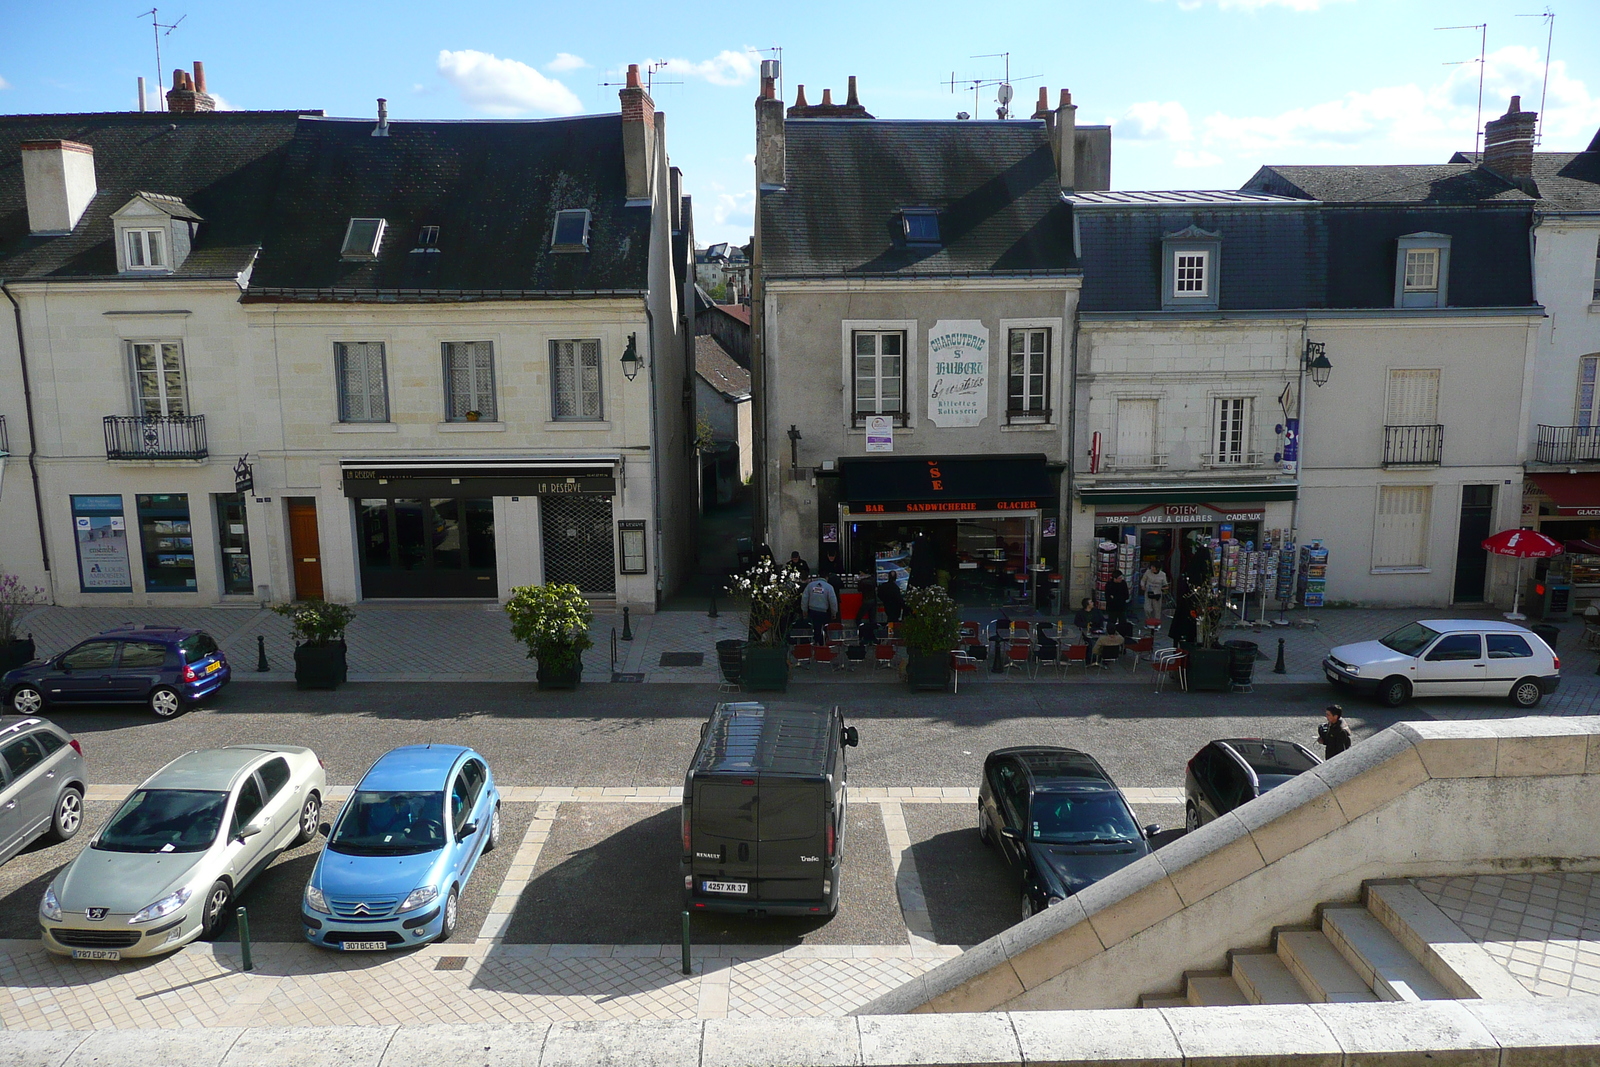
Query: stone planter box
point(567, 678)
point(19, 652)
point(764, 669)
point(1209, 669)
point(320, 666)
point(928, 670)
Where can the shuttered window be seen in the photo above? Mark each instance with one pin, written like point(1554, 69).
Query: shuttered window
point(575, 380)
point(1400, 538)
point(363, 381)
point(1136, 434)
point(1588, 417)
point(469, 380)
point(1413, 398)
point(1231, 435)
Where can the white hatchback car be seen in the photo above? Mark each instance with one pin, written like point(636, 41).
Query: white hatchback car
point(1448, 657)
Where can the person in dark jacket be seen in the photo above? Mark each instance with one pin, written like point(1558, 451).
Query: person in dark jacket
point(1333, 735)
point(892, 599)
point(1117, 596)
point(800, 565)
point(867, 615)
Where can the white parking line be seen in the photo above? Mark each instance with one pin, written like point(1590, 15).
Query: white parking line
point(907, 883)
point(518, 874)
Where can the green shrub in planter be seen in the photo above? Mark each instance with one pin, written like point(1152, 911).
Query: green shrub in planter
point(319, 653)
point(931, 628)
point(553, 621)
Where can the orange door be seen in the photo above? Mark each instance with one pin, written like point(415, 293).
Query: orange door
point(307, 549)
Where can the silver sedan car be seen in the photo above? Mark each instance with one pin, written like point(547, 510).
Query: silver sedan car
point(165, 867)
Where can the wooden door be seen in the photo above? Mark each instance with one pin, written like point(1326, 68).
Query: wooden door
point(306, 549)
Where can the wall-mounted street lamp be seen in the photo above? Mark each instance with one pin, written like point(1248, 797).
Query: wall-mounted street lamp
point(630, 358)
point(1315, 362)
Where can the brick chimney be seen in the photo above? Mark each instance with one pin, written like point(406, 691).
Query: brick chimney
point(58, 182)
point(189, 94)
point(770, 158)
point(638, 136)
point(1042, 109)
point(1066, 142)
point(1508, 141)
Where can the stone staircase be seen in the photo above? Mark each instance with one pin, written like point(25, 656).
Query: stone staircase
point(1395, 946)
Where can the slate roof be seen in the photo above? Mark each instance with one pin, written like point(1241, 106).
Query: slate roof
point(993, 183)
point(721, 372)
point(1426, 183)
point(221, 164)
point(492, 188)
point(1565, 181)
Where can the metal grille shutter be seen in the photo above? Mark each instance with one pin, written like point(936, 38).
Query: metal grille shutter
point(578, 545)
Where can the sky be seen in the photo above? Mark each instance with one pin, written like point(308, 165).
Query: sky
point(1199, 93)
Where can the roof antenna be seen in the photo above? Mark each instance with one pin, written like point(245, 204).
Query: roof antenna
point(155, 28)
point(1003, 95)
point(1550, 19)
point(1483, 50)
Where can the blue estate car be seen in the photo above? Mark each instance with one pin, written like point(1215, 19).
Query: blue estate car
point(161, 667)
point(403, 847)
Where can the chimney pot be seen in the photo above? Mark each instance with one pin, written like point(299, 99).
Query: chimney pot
point(382, 129)
point(633, 76)
point(850, 99)
point(199, 76)
point(800, 96)
point(1066, 98)
point(1516, 105)
point(827, 98)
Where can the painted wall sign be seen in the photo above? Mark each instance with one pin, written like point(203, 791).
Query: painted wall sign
point(880, 433)
point(958, 372)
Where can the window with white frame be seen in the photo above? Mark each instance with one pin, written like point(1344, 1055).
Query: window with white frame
point(362, 237)
point(363, 381)
point(469, 381)
point(1028, 376)
point(575, 380)
point(880, 369)
point(158, 381)
point(145, 249)
point(1191, 272)
point(571, 231)
point(1588, 418)
point(1400, 534)
point(1230, 435)
point(1413, 397)
point(1422, 270)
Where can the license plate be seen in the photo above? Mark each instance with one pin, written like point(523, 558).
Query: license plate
point(213, 666)
point(725, 887)
point(96, 954)
point(365, 946)
point(1334, 678)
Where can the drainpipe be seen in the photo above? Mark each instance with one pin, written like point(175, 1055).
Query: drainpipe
point(655, 453)
point(33, 439)
point(1065, 592)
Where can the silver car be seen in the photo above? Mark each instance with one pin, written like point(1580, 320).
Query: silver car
point(163, 869)
point(41, 768)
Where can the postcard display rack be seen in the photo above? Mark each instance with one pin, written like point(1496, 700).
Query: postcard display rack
point(1312, 586)
point(1110, 556)
point(893, 562)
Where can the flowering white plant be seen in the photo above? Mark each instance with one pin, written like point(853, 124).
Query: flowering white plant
point(771, 593)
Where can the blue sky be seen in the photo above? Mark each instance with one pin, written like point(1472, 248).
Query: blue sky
point(1199, 92)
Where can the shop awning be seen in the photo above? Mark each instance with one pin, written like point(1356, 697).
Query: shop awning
point(946, 484)
point(1572, 494)
point(1185, 493)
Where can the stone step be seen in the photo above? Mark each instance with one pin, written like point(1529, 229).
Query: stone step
point(1320, 970)
point(1378, 956)
point(1458, 962)
point(1148, 1001)
point(1265, 980)
point(1213, 990)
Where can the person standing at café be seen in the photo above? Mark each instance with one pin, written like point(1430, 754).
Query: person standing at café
point(1117, 596)
point(1153, 584)
point(821, 605)
point(892, 599)
point(867, 614)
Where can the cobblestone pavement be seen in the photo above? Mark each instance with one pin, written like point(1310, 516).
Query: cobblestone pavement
point(1543, 928)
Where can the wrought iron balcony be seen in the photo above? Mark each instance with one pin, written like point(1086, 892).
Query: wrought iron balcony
point(1234, 460)
point(1568, 444)
point(156, 437)
point(1150, 461)
point(1413, 446)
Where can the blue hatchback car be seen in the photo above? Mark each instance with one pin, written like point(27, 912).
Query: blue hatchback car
point(401, 852)
point(161, 667)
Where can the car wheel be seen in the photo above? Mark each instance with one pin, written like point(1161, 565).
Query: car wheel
point(1526, 694)
point(452, 913)
point(165, 702)
point(310, 815)
point(1028, 909)
point(216, 909)
point(1394, 692)
point(27, 700)
point(1191, 818)
point(494, 830)
point(68, 816)
point(985, 834)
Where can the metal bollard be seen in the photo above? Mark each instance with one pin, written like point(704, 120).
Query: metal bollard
point(1279, 668)
point(686, 968)
point(627, 626)
point(713, 612)
point(261, 655)
point(244, 939)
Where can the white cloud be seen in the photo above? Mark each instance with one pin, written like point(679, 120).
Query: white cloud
point(1188, 160)
point(725, 68)
point(498, 86)
point(4, 84)
point(220, 103)
point(1154, 121)
point(734, 210)
point(565, 61)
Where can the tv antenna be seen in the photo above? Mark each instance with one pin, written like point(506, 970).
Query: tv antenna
point(156, 26)
point(777, 60)
point(1549, 17)
point(1003, 94)
point(1483, 52)
point(650, 70)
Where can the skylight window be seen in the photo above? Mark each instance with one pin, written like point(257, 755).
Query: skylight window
point(428, 237)
point(361, 239)
point(921, 224)
point(571, 232)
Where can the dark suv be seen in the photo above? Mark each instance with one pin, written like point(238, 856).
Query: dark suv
point(1236, 770)
point(161, 667)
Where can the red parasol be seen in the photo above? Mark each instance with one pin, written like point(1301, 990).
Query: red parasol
point(1523, 544)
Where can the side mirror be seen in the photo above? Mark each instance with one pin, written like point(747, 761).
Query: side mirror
point(467, 831)
point(1010, 833)
point(849, 737)
point(324, 829)
point(1152, 830)
point(60, 663)
point(703, 727)
point(247, 831)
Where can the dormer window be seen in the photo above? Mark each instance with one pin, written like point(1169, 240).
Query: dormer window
point(1189, 265)
point(921, 225)
point(362, 238)
point(1422, 270)
point(571, 232)
point(145, 249)
point(154, 233)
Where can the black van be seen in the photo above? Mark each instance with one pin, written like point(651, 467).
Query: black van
point(764, 811)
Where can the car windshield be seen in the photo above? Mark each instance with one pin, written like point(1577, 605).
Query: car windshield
point(1080, 819)
point(380, 824)
point(1409, 639)
point(165, 820)
point(197, 647)
point(1273, 781)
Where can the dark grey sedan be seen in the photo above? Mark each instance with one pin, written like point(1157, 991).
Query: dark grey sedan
point(42, 768)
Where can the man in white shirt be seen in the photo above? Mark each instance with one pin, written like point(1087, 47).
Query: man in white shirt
point(1153, 584)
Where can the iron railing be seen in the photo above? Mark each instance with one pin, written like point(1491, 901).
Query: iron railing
point(1150, 461)
point(156, 437)
point(1413, 446)
point(1568, 444)
point(1233, 459)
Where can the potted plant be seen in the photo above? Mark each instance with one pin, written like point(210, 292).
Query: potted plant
point(931, 628)
point(553, 621)
point(15, 599)
point(474, 415)
point(1210, 664)
point(319, 649)
point(771, 594)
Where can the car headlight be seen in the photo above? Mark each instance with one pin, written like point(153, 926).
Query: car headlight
point(1351, 668)
point(50, 907)
point(423, 894)
point(316, 901)
point(163, 907)
point(1053, 901)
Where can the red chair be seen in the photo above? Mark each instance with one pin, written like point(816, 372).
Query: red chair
point(1018, 653)
point(826, 654)
point(1145, 646)
point(883, 655)
point(1078, 654)
point(803, 653)
point(960, 664)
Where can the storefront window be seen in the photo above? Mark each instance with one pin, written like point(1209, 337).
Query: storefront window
point(233, 537)
point(434, 547)
point(167, 542)
point(102, 538)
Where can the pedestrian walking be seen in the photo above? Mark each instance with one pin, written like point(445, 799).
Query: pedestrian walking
point(1153, 584)
point(1117, 596)
point(1333, 735)
point(892, 599)
point(821, 604)
point(867, 614)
